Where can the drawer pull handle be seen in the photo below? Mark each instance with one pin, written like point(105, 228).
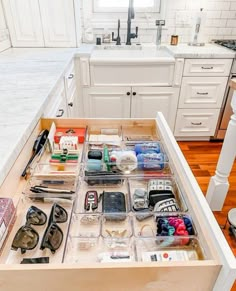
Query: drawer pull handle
point(207, 68)
point(70, 104)
point(204, 93)
point(61, 113)
point(71, 76)
point(196, 123)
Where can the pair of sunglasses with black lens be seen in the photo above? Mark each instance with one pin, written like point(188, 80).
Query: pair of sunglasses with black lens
point(27, 237)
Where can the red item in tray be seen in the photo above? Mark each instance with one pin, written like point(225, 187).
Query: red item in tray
point(80, 132)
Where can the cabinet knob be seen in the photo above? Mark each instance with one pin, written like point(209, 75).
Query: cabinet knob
point(134, 93)
point(71, 76)
point(70, 104)
point(128, 93)
point(61, 113)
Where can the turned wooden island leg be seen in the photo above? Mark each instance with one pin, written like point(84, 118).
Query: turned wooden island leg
point(219, 184)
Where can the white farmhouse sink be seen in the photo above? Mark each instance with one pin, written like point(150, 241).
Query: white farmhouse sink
point(146, 66)
point(130, 54)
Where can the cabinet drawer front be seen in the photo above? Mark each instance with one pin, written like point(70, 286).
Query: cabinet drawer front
point(200, 92)
point(207, 67)
point(192, 123)
point(70, 77)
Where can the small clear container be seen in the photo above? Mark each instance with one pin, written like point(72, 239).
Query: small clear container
point(163, 224)
point(90, 199)
point(50, 188)
point(165, 250)
point(139, 189)
point(104, 133)
point(64, 171)
point(116, 250)
point(81, 250)
point(120, 228)
point(144, 132)
point(85, 225)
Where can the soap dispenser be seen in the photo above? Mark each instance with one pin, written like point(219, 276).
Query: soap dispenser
point(197, 26)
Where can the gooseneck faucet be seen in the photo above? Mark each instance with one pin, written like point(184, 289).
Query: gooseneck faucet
point(117, 39)
point(131, 35)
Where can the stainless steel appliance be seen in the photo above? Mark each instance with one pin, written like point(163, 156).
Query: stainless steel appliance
point(226, 111)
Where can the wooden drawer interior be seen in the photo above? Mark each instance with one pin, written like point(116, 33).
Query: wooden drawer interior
point(135, 274)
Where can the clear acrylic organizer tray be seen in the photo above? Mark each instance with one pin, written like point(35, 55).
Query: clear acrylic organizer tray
point(104, 133)
point(90, 199)
point(10, 256)
point(139, 189)
point(169, 249)
point(50, 188)
point(125, 160)
point(65, 171)
point(146, 225)
point(80, 250)
point(117, 228)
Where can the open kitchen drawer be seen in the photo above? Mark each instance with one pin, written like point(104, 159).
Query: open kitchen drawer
point(216, 271)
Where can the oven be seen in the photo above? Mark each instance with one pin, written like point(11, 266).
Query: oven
point(226, 110)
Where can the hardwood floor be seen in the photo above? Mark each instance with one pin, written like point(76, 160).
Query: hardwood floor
point(202, 158)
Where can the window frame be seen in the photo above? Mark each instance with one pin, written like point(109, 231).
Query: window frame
point(155, 9)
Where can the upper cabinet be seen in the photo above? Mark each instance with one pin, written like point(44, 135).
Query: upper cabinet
point(58, 23)
point(23, 17)
point(39, 23)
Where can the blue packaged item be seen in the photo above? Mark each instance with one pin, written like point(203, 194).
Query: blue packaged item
point(143, 148)
point(148, 161)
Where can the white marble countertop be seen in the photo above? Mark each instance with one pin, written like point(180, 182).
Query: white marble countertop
point(206, 51)
point(29, 75)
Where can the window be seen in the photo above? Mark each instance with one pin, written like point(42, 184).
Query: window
point(122, 5)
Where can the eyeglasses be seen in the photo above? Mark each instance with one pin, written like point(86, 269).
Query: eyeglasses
point(27, 238)
point(53, 235)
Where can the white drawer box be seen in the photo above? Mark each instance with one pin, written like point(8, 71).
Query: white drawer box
point(192, 122)
point(201, 92)
point(207, 67)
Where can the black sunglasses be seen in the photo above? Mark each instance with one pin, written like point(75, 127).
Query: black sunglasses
point(26, 237)
point(53, 235)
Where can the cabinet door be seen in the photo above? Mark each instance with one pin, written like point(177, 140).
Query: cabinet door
point(23, 18)
point(73, 104)
point(147, 101)
point(58, 23)
point(107, 102)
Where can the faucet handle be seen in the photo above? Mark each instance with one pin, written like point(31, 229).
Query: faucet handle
point(160, 22)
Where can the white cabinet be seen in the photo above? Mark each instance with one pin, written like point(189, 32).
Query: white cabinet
point(134, 102)
point(57, 105)
point(201, 96)
point(39, 23)
point(24, 23)
point(58, 23)
point(207, 67)
point(107, 102)
point(202, 92)
point(147, 101)
point(196, 123)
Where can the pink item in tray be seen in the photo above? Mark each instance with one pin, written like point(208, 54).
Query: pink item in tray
point(7, 213)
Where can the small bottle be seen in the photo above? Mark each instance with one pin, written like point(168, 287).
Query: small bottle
point(174, 39)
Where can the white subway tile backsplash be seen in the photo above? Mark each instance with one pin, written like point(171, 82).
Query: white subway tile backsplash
point(219, 21)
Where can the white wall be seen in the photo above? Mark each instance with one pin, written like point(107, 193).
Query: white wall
point(219, 21)
point(4, 37)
